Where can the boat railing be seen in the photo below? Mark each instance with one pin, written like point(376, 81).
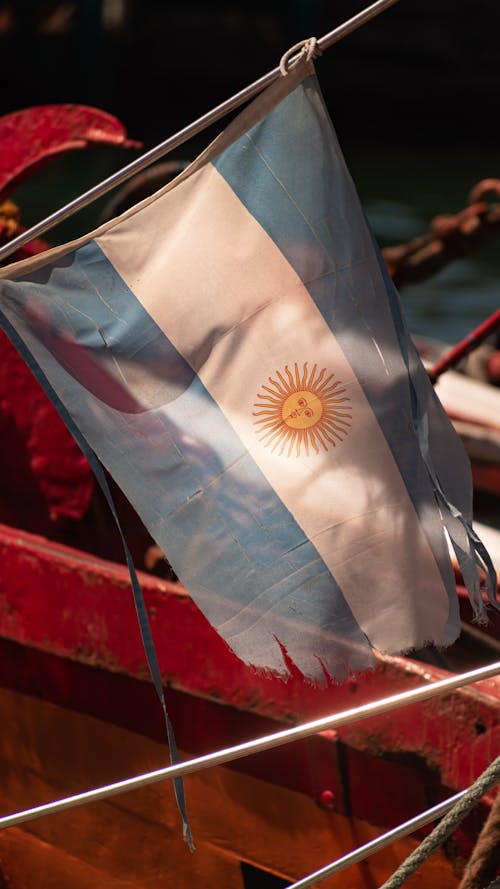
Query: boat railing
point(226, 755)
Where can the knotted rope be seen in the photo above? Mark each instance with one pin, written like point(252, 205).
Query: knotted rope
point(308, 48)
point(489, 778)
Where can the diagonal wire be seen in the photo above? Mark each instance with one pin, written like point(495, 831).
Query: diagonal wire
point(267, 742)
point(187, 133)
point(363, 852)
point(455, 809)
point(489, 778)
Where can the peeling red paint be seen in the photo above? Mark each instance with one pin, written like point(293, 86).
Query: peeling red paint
point(81, 608)
point(32, 137)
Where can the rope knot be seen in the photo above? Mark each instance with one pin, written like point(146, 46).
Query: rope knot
point(308, 48)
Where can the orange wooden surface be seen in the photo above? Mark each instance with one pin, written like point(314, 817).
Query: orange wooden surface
point(135, 840)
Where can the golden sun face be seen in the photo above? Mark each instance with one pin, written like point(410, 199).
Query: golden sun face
point(301, 410)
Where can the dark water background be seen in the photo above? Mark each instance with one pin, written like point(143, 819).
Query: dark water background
point(402, 190)
point(413, 96)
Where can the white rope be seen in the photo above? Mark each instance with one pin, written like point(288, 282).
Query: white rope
point(308, 48)
point(188, 132)
point(229, 754)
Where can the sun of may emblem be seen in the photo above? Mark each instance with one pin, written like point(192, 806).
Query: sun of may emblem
point(301, 410)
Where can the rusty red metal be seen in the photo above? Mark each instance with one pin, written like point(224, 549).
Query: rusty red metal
point(69, 636)
point(80, 608)
point(455, 354)
point(450, 237)
point(30, 138)
point(45, 477)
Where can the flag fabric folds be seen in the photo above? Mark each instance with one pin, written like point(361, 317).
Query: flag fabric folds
point(234, 352)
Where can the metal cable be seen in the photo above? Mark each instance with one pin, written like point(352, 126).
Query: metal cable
point(373, 708)
point(489, 778)
point(187, 133)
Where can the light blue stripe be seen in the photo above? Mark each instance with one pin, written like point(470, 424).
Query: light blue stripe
point(231, 540)
point(290, 174)
point(142, 613)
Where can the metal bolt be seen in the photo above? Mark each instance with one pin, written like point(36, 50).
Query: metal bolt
point(327, 799)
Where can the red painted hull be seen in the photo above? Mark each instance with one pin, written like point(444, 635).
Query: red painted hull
point(70, 651)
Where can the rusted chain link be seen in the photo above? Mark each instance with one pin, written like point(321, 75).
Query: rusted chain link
point(450, 237)
point(10, 221)
point(10, 227)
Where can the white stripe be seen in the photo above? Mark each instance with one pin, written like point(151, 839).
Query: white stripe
point(209, 274)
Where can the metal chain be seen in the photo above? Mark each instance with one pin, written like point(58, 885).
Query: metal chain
point(450, 237)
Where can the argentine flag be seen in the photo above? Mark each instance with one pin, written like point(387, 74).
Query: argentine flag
point(234, 352)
